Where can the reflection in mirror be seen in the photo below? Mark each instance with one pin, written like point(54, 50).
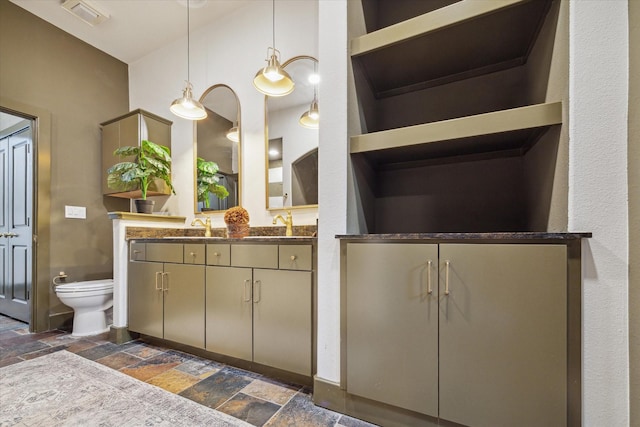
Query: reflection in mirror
point(217, 151)
point(292, 147)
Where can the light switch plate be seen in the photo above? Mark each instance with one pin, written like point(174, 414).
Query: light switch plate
point(77, 212)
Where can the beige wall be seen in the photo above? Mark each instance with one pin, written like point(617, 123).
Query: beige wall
point(48, 70)
point(634, 210)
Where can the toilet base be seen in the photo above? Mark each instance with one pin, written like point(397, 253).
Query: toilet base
point(89, 323)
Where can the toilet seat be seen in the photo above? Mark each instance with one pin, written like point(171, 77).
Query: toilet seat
point(82, 287)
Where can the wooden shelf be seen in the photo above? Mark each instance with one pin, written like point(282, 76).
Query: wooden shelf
point(500, 130)
point(434, 48)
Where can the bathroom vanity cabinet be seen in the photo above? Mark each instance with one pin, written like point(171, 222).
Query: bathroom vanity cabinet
point(477, 331)
point(244, 301)
point(166, 292)
point(259, 307)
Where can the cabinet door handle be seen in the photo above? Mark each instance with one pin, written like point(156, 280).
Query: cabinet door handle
point(246, 294)
point(158, 288)
point(193, 254)
point(257, 285)
point(446, 277)
point(167, 287)
point(429, 290)
point(216, 254)
point(293, 257)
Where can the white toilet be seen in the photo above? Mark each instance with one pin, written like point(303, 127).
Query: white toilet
point(89, 301)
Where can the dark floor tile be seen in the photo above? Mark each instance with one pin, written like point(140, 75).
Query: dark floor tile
point(250, 409)
point(99, 351)
point(347, 421)
point(118, 360)
point(80, 345)
point(22, 348)
point(241, 372)
point(300, 411)
point(216, 389)
point(21, 339)
point(143, 350)
point(43, 352)
point(9, 361)
point(149, 368)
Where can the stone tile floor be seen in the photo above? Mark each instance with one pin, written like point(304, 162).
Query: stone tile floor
point(245, 395)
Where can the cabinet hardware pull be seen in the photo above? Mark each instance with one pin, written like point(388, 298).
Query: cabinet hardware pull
point(446, 277)
point(163, 276)
point(216, 254)
point(157, 274)
point(246, 297)
point(193, 254)
point(429, 290)
point(257, 291)
point(293, 257)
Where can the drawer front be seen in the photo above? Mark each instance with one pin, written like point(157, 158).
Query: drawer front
point(261, 256)
point(137, 252)
point(165, 252)
point(194, 253)
point(218, 254)
point(295, 257)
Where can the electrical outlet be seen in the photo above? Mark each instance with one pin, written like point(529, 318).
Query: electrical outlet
point(77, 212)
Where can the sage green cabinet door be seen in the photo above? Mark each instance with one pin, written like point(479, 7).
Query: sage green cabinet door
point(145, 298)
point(282, 307)
point(184, 304)
point(392, 324)
point(229, 311)
point(503, 335)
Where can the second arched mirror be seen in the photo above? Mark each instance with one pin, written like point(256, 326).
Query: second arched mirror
point(217, 151)
point(291, 124)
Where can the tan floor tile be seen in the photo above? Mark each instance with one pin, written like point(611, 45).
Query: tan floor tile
point(173, 381)
point(268, 391)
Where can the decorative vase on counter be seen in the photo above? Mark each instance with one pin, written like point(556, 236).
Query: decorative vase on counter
point(237, 231)
point(144, 206)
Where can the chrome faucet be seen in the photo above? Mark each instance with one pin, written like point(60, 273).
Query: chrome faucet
point(288, 222)
point(206, 224)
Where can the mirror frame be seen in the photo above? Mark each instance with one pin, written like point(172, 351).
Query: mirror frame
point(266, 143)
point(195, 151)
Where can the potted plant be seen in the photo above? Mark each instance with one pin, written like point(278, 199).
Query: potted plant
point(207, 181)
point(152, 161)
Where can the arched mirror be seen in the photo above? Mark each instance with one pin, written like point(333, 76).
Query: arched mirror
point(217, 151)
point(292, 139)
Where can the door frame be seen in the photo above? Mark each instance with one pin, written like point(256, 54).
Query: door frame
point(41, 122)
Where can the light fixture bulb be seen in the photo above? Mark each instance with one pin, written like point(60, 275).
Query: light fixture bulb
point(186, 107)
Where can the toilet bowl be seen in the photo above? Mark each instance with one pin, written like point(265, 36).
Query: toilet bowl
point(89, 301)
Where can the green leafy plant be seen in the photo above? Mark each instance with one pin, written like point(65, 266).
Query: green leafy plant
point(151, 161)
point(207, 181)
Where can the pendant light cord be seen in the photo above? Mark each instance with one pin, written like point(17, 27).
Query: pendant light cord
point(273, 22)
point(188, 43)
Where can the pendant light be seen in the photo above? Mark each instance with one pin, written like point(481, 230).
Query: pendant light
point(273, 80)
point(233, 134)
point(185, 106)
point(311, 118)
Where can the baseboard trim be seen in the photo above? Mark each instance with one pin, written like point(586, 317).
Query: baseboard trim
point(330, 395)
point(61, 321)
point(121, 335)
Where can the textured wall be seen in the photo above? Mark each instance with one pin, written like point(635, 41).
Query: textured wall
point(81, 87)
point(598, 191)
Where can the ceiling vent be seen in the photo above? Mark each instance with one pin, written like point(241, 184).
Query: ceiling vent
point(85, 11)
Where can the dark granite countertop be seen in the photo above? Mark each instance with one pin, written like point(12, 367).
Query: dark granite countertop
point(469, 236)
point(202, 239)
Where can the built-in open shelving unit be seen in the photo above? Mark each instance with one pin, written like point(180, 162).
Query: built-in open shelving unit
point(460, 109)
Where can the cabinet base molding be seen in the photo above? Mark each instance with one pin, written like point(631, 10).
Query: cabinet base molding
point(329, 395)
point(61, 321)
point(267, 371)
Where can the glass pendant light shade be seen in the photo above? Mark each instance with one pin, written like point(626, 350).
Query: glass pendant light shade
point(233, 134)
point(187, 107)
point(311, 119)
point(273, 80)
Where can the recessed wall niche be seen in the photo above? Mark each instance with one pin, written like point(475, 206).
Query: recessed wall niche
point(461, 122)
